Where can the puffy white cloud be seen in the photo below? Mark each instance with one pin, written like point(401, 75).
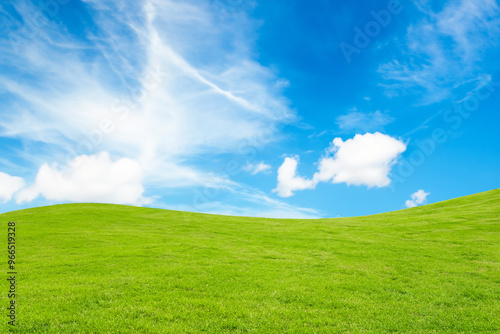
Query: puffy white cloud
point(417, 198)
point(363, 160)
point(256, 168)
point(9, 185)
point(94, 178)
point(288, 181)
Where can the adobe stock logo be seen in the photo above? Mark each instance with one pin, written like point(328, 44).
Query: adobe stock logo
point(226, 8)
point(45, 11)
point(372, 29)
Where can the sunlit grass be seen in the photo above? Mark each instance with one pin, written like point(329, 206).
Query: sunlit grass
point(95, 268)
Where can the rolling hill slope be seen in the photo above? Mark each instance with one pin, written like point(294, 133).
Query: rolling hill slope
point(97, 268)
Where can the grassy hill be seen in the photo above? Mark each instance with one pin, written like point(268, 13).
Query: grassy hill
point(96, 268)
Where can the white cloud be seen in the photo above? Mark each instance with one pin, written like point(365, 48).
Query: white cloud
point(158, 82)
point(363, 160)
point(288, 181)
point(9, 185)
point(244, 201)
point(363, 122)
point(94, 178)
point(447, 49)
point(417, 198)
point(272, 208)
point(254, 169)
point(265, 210)
point(169, 79)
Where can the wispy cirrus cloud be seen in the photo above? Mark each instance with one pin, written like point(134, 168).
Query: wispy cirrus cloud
point(256, 168)
point(362, 122)
point(155, 82)
point(443, 51)
point(247, 201)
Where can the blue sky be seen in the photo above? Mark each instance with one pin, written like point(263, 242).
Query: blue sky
point(257, 108)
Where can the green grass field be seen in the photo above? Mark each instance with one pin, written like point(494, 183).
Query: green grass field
point(97, 268)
